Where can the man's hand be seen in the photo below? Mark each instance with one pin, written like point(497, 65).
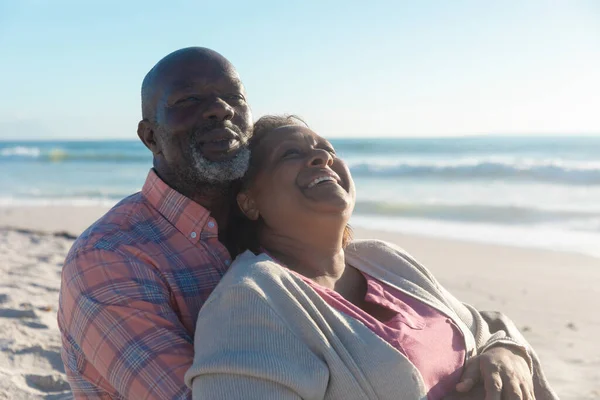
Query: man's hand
point(504, 373)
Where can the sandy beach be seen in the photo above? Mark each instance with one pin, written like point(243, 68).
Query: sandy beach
point(550, 295)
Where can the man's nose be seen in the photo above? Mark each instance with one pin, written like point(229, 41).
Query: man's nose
point(218, 110)
point(320, 158)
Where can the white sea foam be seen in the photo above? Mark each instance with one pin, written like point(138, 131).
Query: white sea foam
point(548, 170)
point(8, 201)
point(543, 236)
point(20, 151)
point(514, 162)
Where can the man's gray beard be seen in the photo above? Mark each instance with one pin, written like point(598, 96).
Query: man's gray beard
point(219, 173)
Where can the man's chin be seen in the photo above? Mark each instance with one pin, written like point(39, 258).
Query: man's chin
point(220, 152)
point(222, 170)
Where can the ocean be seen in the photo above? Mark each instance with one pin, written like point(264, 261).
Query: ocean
point(525, 191)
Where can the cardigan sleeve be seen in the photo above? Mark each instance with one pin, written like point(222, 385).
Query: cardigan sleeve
point(244, 349)
point(490, 328)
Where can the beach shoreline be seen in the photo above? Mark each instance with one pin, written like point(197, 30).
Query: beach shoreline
point(549, 294)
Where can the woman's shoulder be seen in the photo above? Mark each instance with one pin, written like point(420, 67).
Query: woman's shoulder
point(378, 256)
point(379, 249)
point(375, 244)
point(252, 271)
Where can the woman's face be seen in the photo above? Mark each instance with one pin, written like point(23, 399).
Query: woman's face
point(300, 178)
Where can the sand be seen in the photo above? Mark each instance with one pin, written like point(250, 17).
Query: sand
point(552, 296)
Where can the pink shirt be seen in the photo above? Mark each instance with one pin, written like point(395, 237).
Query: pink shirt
point(429, 339)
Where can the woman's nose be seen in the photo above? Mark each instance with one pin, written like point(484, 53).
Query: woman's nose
point(218, 110)
point(321, 157)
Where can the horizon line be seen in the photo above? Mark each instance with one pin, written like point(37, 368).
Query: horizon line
point(529, 135)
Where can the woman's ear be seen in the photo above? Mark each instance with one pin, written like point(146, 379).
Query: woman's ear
point(248, 206)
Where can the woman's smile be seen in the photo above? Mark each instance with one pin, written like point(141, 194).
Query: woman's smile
point(312, 178)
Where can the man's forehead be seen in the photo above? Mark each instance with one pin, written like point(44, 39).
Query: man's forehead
point(193, 79)
point(192, 82)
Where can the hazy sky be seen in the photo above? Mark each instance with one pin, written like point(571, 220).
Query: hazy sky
point(73, 69)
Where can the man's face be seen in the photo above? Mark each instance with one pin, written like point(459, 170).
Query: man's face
point(203, 121)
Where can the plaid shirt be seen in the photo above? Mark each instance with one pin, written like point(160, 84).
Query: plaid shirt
point(132, 287)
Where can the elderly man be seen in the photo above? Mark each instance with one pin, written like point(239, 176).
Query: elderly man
point(133, 283)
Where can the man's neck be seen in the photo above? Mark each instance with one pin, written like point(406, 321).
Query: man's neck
point(217, 199)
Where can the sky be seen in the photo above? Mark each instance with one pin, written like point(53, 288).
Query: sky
point(73, 69)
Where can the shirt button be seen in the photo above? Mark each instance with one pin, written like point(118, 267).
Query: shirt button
point(211, 224)
point(227, 262)
point(193, 235)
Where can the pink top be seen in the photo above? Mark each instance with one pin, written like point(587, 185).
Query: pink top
point(429, 339)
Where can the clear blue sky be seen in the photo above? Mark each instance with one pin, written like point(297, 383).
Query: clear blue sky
point(73, 69)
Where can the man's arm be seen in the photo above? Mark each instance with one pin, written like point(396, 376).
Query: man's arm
point(117, 310)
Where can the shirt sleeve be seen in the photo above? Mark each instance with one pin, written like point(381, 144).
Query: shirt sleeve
point(118, 313)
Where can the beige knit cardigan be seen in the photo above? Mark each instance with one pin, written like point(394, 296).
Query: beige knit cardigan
point(265, 334)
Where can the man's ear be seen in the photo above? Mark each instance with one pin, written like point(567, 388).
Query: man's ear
point(147, 135)
point(247, 205)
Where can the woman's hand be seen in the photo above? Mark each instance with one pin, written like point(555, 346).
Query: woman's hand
point(504, 372)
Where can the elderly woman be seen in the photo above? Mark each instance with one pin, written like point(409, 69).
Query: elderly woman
point(307, 313)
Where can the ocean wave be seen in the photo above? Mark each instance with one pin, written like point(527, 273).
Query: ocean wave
point(63, 156)
point(482, 213)
point(555, 238)
point(550, 171)
point(20, 151)
point(50, 201)
point(509, 167)
point(57, 155)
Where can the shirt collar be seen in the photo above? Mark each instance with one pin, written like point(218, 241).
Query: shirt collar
point(189, 217)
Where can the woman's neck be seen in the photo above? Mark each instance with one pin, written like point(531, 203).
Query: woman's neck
point(318, 257)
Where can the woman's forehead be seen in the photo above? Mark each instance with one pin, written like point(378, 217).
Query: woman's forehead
point(292, 133)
